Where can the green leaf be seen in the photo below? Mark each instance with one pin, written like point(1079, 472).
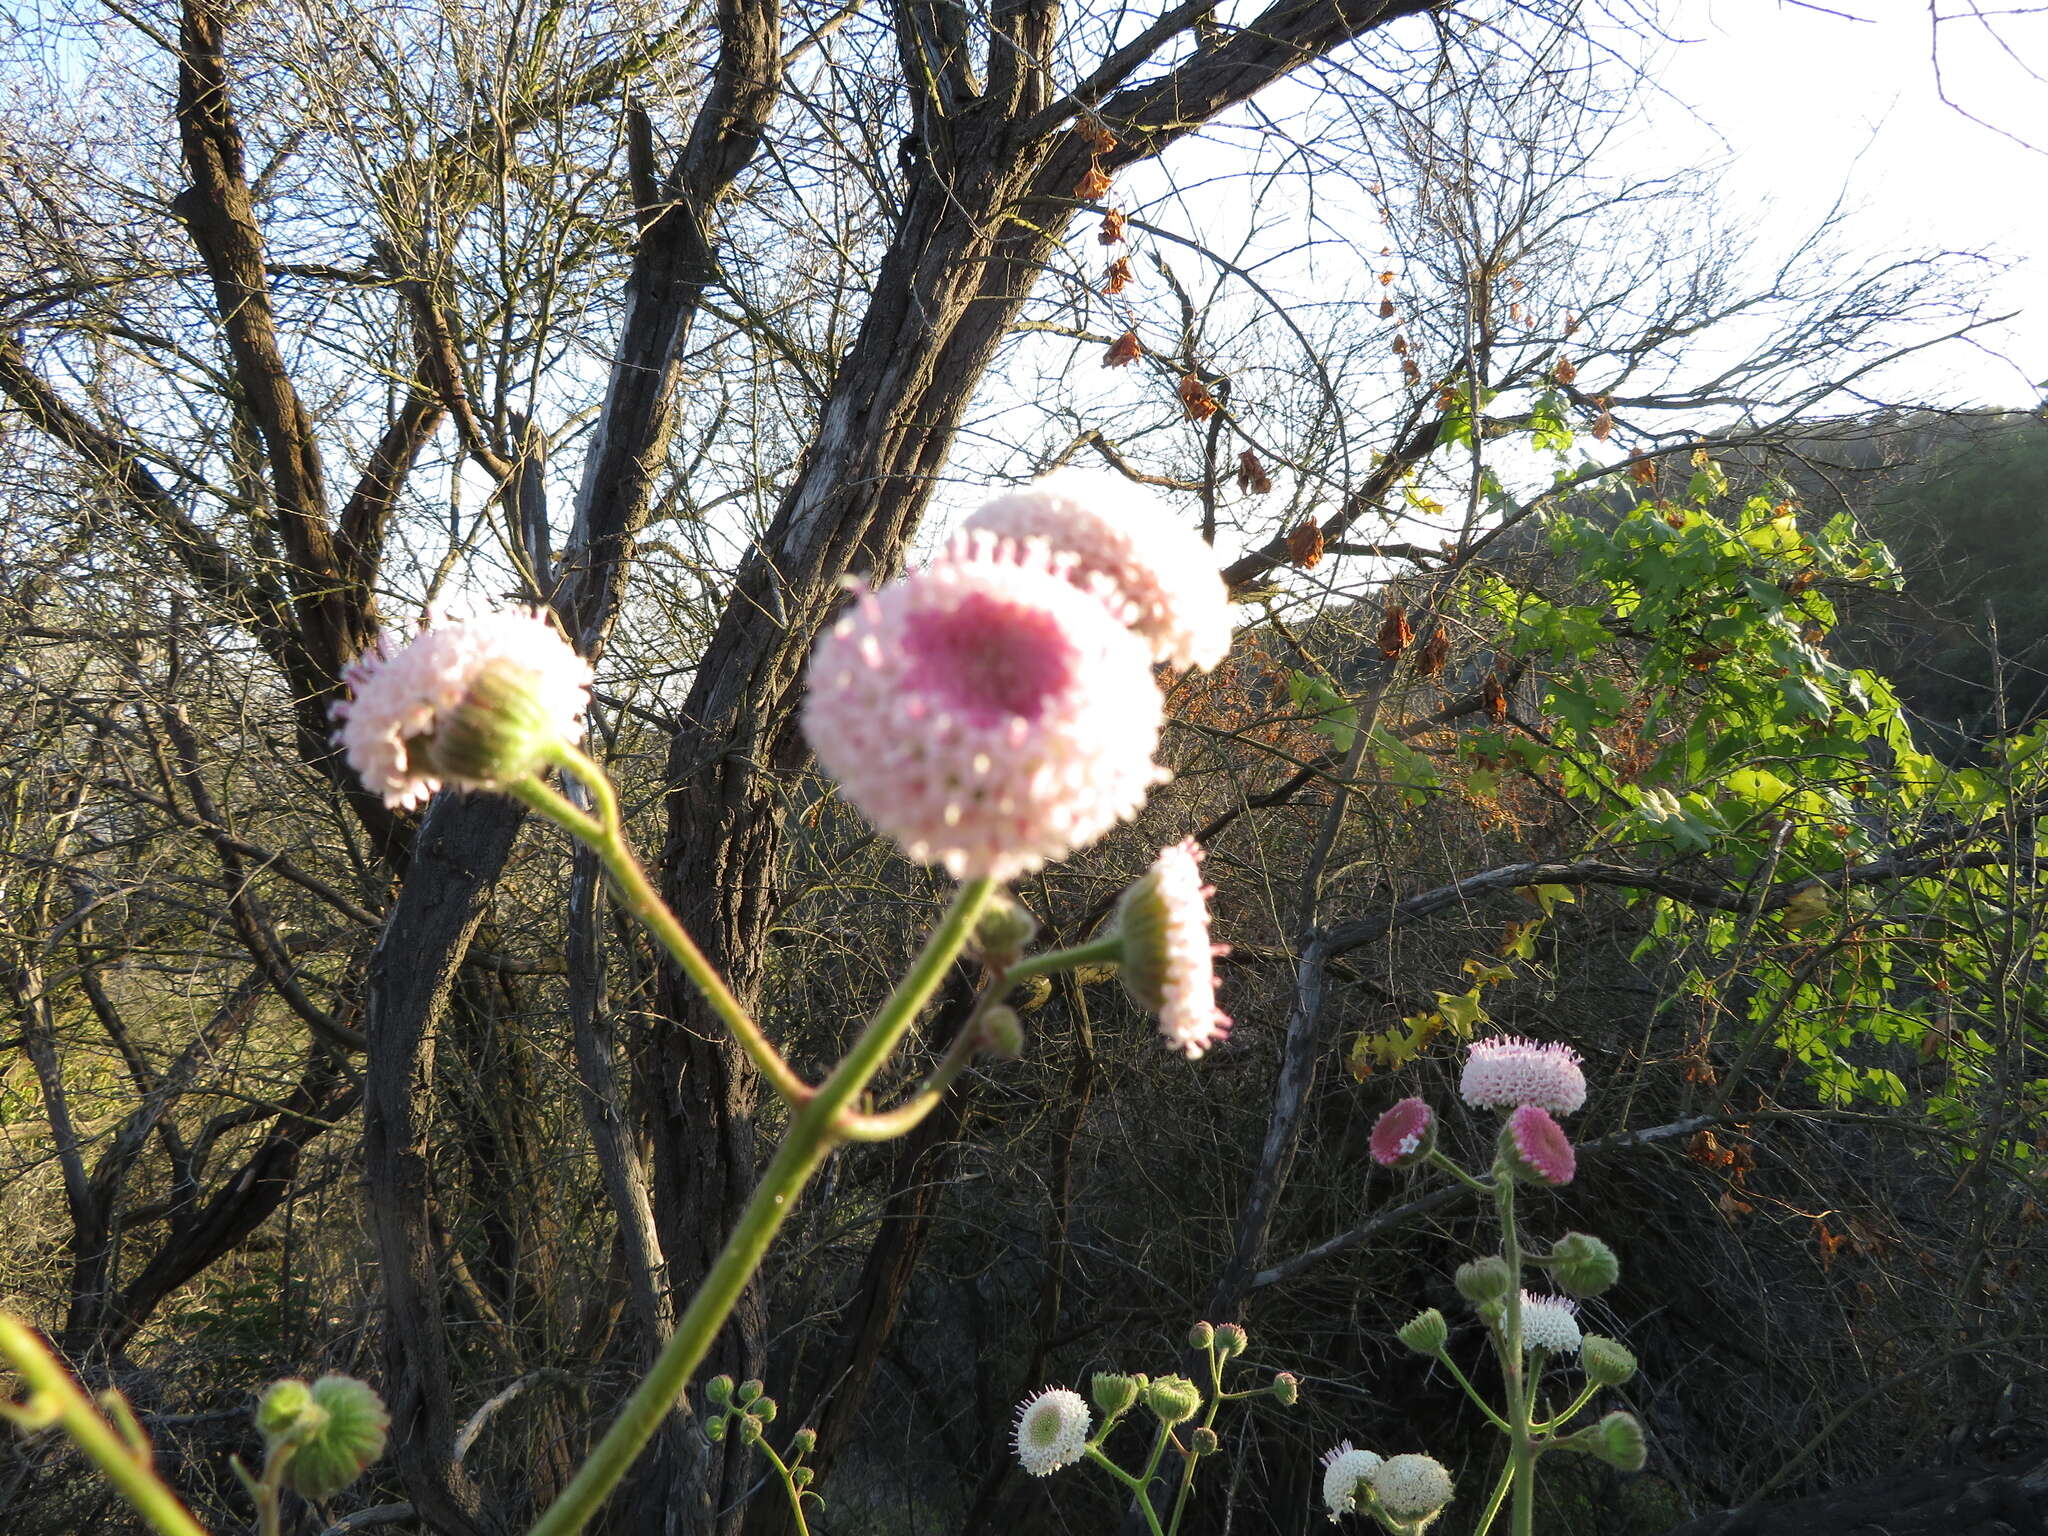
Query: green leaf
point(1335, 717)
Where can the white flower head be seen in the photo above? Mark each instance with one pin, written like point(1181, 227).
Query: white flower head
point(1412, 1487)
point(1345, 1472)
point(1052, 1430)
point(1550, 1323)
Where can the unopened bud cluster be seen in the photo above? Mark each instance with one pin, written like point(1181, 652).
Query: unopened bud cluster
point(1055, 1428)
point(327, 1434)
point(1531, 1085)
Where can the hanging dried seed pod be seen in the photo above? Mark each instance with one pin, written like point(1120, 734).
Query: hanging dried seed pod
point(1394, 632)
point(1305, 545)
point(1494, 697)
point(1252, 478)
point(1195, 398)
point(1429, 661)
point(1092, 186)
point(1564, 372)
point(1112, 229)
point(1124, 350)
point(1118, 276)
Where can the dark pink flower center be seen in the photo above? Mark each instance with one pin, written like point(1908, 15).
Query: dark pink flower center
point(1398, 1133)
point(986, 657)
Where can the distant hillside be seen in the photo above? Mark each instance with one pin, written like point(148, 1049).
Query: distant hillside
point(1962, 499)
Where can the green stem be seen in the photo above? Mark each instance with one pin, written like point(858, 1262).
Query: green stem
point(1521, 1457)
point(1472, 1392)
point(886, 1125)
point(53, 1397)
point(605, 833)
point(1493, 1504)
point(1187, 1470)
point(796, 1497)
point(810, 1138)
point(1437, 1159)
point(1094, 952)
point(1137, 1485)
point(1585, 1396)
point(267, 1489)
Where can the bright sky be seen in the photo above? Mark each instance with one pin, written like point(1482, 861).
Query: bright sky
point(1804, 101)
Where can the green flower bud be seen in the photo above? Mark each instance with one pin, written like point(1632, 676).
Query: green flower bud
point(499, 734)
point(281, 1408)
point(333, 1453)
point(749, 1429)
point(1484, 1280)
point(718, 1391)
point(749, 1389)
point(1231, 1339)
point(1582, 1265)
point(1608, 1362)
point(1618, 1440)
point(763, 1408)
point(714, 1428)
point(1286, 1389)
point(803, 1442)
point(1174, 1398)
point(1002, 1033)
point(1003, 932)
point(800, 1477)
point(1424, 1333)
point(1203, 1441)
point(1201, 1336)
point(1113, 1394)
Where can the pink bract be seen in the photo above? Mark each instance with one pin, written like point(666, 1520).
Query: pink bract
point(402, 693)
point(1168, 962)
point(1539, 1148)
point(1502, 1074)
point(1402, 1135)
point(1122, 532)
point(985, 711)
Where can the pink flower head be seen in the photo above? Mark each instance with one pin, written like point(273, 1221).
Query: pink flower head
point(474, 702)
point(1404, 1134)
point(1500, 1074)
point(985, 711)
point(1168, 962)
point(1119, 530)
point(1536, 1147)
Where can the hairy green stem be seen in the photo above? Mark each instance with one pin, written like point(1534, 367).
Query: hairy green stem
point(1187, 1471)
point(1095, 952)
point(887, 1124)
point(1499, 1497)
point(605, 833)
point(54, 1397)
point(1499, 1423)
point(1521, 1455)
point(811, 1136)
point(1135, 1484)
